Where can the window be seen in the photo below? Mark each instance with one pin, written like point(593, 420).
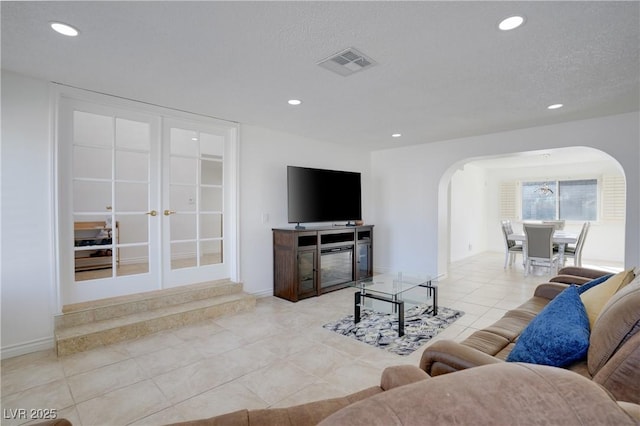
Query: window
point(560, 200)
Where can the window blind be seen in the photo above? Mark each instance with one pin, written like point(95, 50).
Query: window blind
point(508, 200)
point(613, 198)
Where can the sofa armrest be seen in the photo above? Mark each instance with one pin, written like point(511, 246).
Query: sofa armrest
point(582, 272)
point(570, 279)
point(236, 418)
point(310, 413)
point(549, 290)
point(400, 375)
point(454, 356)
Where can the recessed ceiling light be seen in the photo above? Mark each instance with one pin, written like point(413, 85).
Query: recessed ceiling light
point(555, 106)
point(64, 29)
point(294, 102)
point(396, 135)
point(511, 23)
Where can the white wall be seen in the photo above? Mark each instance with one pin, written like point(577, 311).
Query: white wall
point(468, 219)
point(411, 199)
point(28, 283)
point(264, 155)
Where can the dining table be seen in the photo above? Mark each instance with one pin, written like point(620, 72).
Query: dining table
point(561, 238)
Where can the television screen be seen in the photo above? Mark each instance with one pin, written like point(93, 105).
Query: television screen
point(319, 195)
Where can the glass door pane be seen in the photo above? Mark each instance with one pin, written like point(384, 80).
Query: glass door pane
point(363, 262)
point(197, 244)
point(111, 196)
point(306, 272)
point(132, 196)
point(196, 198)
point(92, 195)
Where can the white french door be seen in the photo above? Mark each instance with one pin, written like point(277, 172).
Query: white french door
point(143, 201)
point(108, 200)
point(195, 222)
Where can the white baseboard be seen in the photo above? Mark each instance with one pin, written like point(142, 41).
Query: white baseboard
point(46, 343)
point(263, 293)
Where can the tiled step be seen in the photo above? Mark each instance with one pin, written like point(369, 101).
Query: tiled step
point(104, 309)
point(89, 325)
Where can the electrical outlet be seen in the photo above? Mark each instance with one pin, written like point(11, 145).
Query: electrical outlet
point(470, 247)
point(265, 218)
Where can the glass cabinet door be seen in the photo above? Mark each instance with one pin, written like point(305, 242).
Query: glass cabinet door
point(363, 261)
point(306, 272)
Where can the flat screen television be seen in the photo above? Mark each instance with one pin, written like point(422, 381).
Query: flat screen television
point(320, 195)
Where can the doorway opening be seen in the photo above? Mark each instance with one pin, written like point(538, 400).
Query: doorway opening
point(492, 188)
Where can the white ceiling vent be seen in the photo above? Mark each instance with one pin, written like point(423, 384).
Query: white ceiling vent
point(347, 62)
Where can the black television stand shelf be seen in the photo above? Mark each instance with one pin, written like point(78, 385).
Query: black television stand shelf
point(316, 260)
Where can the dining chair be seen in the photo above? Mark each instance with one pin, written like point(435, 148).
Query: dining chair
point(576, 251)
point(558, 224)
point(539, 247)
point(511, 247)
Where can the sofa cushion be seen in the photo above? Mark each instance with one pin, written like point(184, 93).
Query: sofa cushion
point(504, 353)
point(509, 326)
point(587, 286)
point(557, 336)
point(534, 305)
point(486, 342)
point(596, 297)
point(617, 322)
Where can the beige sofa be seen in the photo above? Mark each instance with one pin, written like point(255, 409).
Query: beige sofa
point(504, 394)
point(613, 358)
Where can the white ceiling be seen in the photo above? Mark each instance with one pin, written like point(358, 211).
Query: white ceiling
point(443, 69)
point(571, 156)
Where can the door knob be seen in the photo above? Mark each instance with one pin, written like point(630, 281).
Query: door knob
point(168, 212)
point(152, 213)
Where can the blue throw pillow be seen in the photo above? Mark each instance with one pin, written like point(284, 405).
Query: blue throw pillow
point(586, 286)
point(558, 335)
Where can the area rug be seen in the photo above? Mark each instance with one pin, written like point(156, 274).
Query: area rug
point(381, 330)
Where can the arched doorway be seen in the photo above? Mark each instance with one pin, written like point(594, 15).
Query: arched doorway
point(476, 193)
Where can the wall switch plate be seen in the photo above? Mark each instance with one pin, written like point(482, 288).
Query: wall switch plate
point(265, 217)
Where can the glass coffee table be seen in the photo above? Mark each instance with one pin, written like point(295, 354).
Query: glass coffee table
point(390, 288)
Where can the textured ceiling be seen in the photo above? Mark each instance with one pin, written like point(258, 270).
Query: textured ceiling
point(443, 68)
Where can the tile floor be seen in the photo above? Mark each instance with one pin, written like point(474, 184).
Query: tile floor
point(276, 356)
